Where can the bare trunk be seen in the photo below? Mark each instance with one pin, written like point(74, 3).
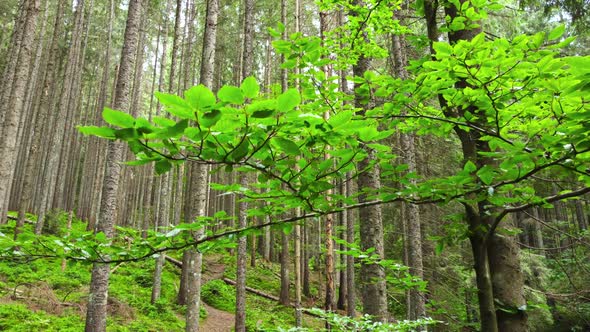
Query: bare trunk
point(14, 109)
point(343, 283)
point(196, 195)
point(373, 286)
point(247, 61)
point(350, 237)
point(507, 281)
point(285, 282)
point(240, 323)
point(297, 268)
point(26, 196)
point(97, 301)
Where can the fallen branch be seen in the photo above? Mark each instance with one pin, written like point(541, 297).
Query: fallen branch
point(174, 261)
point(252, 290)
point(268, 296)
point(178, 264)
point(28, 221)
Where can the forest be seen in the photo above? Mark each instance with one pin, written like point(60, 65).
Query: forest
point(327, 165)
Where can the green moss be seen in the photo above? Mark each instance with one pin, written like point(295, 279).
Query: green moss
point(219, 295)
point(18, 318)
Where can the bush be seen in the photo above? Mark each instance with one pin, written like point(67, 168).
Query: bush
point(55, 223)
point(219, 295)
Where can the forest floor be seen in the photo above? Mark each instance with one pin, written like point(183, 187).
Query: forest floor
point(42, 296)
point(217, 320)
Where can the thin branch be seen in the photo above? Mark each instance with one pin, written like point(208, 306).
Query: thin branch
point(549, 199)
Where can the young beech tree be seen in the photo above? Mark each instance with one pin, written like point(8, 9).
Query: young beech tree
point(516, 106)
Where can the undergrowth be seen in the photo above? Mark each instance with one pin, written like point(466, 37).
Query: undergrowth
point(39, 296)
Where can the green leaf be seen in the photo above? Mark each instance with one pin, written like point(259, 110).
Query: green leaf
point(127, 134)
point(250, 87)
point(486, 174)
point(478, 3)
point(240, 151)
point(117, 118)
point(104, 132)
point(162, 166)
point(231, 94)
point(289, 64)
point(273, 33)
point(367, 134)
point(383, 134)
point(162, 121)
point(200, 97)
point(138, 162)
point(100, 237)
point(440, 246)
point(288, 100)
point(176, 105)
point(282, 46)
point(210, 118)
point(287, 228)
point(556, 33)
point(340, 119)
point(469, 166)
point(495, 6)
point(177, 129)
point(442, 48)
point(262, 114)
point(287, 146)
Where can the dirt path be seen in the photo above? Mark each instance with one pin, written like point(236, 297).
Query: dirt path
point(217, 320)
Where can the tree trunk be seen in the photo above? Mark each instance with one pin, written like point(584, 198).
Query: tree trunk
point(240, 322)
point(507, 281)
point(485, 294)
point(97, 301)
point(411, 215)
point(350, 237)
point(297, 268)
point(16, 104)
point(496, 257)
point(343, 284)
point(247, 68)
point(329, 219)
point(198, 176)
point(285, 282)
point(58, 148)
point(33, 152)
point(373, 286)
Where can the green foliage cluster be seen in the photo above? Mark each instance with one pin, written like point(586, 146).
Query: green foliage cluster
point(219, 295)
point(42, 281)
point(520, 96)
point(261, 314)
point(55, 223)
point(16, 317)
point(364, 323)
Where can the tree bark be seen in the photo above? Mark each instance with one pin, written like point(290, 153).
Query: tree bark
point(14, 109)
point(97, 301)
point(247, 68)
point(285, 282)
point(198, 176)
point(373, 286)
point(26, 198)
point(411, 212)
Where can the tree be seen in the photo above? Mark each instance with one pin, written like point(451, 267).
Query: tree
point(97, 304)
point(247, 68)
point(198, 174)
point(496, 98)
point(23, 48)
point(373, 286)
